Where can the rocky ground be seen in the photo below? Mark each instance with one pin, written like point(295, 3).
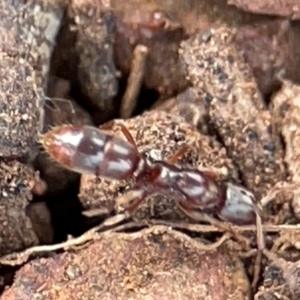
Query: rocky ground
point(220, 77)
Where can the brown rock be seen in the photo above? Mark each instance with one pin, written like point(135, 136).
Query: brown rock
point(27, 41)
point(192, 15)
point(16, 232)
point(286, 110)
point(31, 33)
point(40, 218)
point(293, 72)
point(58, 88)
point(19, 119)
point(286, 8)
point(94, 25)
point(219, 72)
point(265, 49)
point(155, 263)
point(280, 278)
point(262, 40)
point(189, 105)
point(139, 22)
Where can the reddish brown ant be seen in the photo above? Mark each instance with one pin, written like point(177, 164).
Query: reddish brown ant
point(88, 150)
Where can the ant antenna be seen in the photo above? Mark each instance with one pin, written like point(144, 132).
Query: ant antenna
point(52, 100)
point(173, 159)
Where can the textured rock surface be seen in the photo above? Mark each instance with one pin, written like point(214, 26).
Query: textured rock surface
point(96, 72)
point(286, 8)
point(16, 232)
point(152, 264)
point(27, 34)
point(147, 23)
point(237, 111)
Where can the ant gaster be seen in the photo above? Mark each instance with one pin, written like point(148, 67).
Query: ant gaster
point(88, 150)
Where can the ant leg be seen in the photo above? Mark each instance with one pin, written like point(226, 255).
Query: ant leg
point(173, 159)
point(193, 213)
point(198, 216)
point(109, 125)
point(137, 196)
point(127, 135)
point(210, 175)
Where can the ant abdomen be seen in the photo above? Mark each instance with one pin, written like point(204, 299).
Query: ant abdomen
point(88, 150)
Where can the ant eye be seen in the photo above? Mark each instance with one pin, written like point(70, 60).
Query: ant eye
point(243, 192)
point(247, 194)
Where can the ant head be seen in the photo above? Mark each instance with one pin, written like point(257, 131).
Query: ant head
point(236, 194)
point(240, 205)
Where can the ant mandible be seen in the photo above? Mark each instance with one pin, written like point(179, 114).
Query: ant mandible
point(89, 150)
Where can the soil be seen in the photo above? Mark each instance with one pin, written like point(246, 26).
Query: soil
point(219, 78)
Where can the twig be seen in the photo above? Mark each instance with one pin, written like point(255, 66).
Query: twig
point(103, 231)
point(135, 81)
point(211, 228)
point(15, 259)
point(160, 229)
point(257, 269)
point(97, 212)
point(260, 246)
point(248, 254)
point(215, 226)
point(200, 246)
point(279, 187)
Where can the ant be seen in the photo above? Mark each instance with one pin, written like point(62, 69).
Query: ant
point(89, 150)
